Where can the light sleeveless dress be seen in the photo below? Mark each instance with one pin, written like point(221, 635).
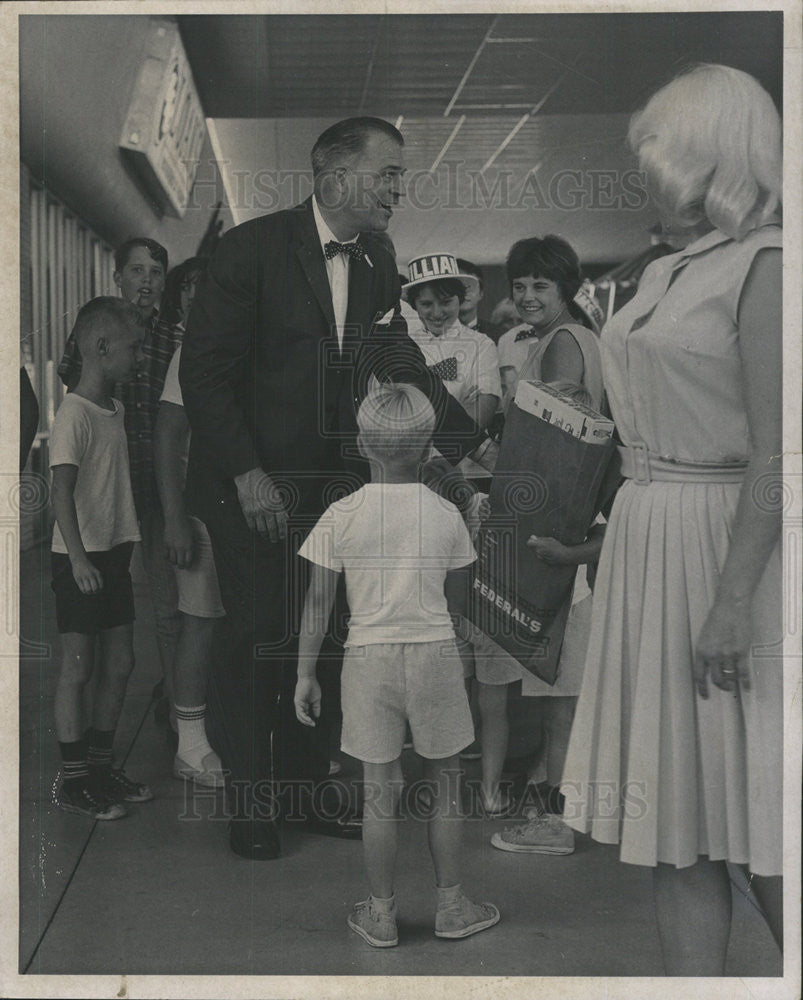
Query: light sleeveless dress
point(589, 345)
point(651, 765)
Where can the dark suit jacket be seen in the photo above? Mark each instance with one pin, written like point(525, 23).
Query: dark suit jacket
point(263, 380)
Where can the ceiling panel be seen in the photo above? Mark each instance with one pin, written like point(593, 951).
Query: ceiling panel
point(465, 85)
point(332, 65)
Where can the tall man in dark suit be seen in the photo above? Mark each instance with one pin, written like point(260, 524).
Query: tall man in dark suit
point(279, 350)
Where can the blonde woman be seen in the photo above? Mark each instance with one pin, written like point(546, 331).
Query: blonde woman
point(680, 708)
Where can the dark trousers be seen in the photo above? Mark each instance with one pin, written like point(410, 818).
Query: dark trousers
point(250, 715)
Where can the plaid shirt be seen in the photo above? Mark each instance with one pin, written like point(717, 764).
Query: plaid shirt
point(140, 397)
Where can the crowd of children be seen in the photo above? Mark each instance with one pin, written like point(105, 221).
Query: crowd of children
point(409, 676)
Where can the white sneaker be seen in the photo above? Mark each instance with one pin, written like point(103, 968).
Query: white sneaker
point(209, 774)
point(374, 925)
point(545, 834)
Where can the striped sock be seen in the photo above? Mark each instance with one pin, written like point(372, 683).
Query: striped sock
point(73, 765)
point(99, 757)
point(192, 742)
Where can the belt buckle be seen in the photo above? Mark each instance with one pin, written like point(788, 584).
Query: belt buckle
point(641, 464)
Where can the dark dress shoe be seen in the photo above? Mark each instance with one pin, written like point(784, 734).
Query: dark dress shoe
point(345, 827)
point(256, 840)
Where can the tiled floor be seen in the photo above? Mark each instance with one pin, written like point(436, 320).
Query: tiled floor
point(159, 892)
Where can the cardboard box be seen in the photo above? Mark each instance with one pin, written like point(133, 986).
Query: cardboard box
point(563, 412)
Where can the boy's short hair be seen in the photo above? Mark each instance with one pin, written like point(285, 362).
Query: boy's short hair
point(466, 267)
point(574, 391)
point(396, 421)
point(105, 315)
point(156, 250)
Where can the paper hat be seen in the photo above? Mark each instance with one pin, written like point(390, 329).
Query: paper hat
point(434, 267)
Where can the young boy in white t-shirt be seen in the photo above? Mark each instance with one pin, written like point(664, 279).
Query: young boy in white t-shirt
point(395, 540)
point(96, 527)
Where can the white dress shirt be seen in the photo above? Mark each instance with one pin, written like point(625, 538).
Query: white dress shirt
point(337, 271)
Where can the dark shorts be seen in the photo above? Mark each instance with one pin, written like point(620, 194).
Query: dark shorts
point(93, 613)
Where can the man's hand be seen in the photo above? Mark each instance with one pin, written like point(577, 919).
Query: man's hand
point(88, 577)
point(307, 700)
point(179, 542)
point(262, 504)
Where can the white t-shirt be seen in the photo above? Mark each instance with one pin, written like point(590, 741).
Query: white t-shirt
point(86, 435)
point(475, 355)
point(395, 542)
point(171, 393)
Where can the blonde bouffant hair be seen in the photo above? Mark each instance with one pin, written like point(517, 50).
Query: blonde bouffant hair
point(709, 143)
point(396, 422)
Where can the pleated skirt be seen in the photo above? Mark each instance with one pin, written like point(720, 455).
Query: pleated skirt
point(652, 766)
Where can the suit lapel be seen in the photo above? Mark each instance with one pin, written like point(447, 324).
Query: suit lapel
point(310, 256)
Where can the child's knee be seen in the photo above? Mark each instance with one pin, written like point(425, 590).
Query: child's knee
point(119, 666)
point(75, 671)
point(492, 698)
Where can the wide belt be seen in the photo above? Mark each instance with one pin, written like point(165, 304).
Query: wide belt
point(643, 467)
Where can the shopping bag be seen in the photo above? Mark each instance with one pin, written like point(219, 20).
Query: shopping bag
point(557, 465)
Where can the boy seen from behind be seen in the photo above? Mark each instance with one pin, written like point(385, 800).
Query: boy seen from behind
point(395, 540)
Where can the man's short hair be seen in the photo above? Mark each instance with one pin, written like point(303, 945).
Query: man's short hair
point(466, 267)
point(346, 139)
point(106, 315)
point(156, 250)
point(396, 421)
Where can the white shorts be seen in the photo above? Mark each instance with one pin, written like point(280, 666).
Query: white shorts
point(387, 685)
point(198, 590)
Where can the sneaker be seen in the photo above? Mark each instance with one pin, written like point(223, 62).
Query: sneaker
point(377, 927)
point(542, 834)
point(461, 918)
point(209, 773)
point(84, 803)
point(120, 788)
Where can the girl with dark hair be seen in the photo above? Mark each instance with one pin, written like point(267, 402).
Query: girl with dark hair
point(179, 290)
point(552, 343)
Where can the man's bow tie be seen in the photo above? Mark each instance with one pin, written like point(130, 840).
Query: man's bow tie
point(525, 335)
point(333, 248)
point(445, 370)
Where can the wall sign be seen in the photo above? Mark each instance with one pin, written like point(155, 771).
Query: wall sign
point(165, 126)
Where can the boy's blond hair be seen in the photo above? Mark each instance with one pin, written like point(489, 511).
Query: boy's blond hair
point(396, 422)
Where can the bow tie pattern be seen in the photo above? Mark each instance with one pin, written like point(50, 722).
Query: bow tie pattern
point(333, 248)
point(446, 370)
point(524, 335)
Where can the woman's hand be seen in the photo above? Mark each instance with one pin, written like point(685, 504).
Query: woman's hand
point(478, 510)
point(551, 551)
point(723, 648)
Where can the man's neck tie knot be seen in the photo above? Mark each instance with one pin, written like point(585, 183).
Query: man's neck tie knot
point(333, 248)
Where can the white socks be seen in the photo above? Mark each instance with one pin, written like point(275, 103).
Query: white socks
point(193, 745)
